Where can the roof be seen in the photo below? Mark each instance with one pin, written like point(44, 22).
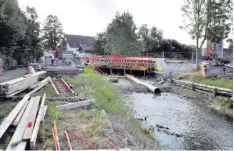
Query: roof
point(79, 41)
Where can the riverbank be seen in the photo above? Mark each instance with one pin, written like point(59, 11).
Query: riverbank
point(195, 76)
point(109, 118)
point(178, 122)
point(219, 105)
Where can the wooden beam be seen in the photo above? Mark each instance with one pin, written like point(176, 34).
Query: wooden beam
point(43, 100)
point(19, 116)
point(40, 85)
point(20, 146)
point(19, 132)
point(75, 105)
point(67, 85)
point(31, 119)
point(55, 89)
point(10, 118)
point(44, 109)
point(37, 125)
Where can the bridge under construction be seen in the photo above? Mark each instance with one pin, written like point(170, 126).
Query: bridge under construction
point(128, 64)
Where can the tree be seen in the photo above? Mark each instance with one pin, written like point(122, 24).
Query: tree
point(196, 22)
point(151, 38)
point(30, 44)
point(220, 20)
point(145, 37)
point(12, 27)
point(99, 44)
point(207, 19)
point(156, 37)
point(52, 32)
point(121, 35)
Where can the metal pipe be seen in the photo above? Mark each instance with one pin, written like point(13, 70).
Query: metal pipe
point(150, 87)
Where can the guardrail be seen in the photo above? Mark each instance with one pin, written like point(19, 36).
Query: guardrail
point(204, 88)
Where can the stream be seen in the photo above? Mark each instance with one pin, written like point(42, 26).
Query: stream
point(176, 122)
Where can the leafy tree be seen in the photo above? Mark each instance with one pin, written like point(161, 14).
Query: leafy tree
point(155, 38)
point(151, 38)
point(144, 34)
point(207, 19)
point(121, 35)
point(12, 27)
point(52, 32)
point(196, 22)
point(99, 44)
point(220, 20)
point(30, 44)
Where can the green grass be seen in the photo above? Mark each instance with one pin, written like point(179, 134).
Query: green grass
point(198, 78)
point(107, 97)
point(92, 122)
point(48, 89)
point(224, 102)
point(224, 83)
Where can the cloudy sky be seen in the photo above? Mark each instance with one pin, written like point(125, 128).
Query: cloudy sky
point(88, 17)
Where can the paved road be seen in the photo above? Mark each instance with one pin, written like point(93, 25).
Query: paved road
point(12, 74)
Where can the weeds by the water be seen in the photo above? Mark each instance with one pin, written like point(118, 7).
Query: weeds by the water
point(93, 124)
point(106, 95)
point(198, 78)
point(224, 102)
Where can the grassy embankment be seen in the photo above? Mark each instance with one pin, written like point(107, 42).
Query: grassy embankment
point(94, 124)
point(198, 78)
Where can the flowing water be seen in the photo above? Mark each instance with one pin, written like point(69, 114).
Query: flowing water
point(176, 122)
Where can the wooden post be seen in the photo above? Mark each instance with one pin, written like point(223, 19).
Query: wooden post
point(193, 87)
point(163, 54)
point(124, 71)
point(214, 92)
point(144, 73)
point(110, 71)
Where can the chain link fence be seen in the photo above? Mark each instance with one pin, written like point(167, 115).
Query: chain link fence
point(179, 56)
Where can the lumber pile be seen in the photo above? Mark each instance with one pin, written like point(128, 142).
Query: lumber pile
point(204, 88)
point(19, 84)
point(27, 116)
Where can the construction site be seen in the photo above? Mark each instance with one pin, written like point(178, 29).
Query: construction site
point(110, 103)
point(116, 75)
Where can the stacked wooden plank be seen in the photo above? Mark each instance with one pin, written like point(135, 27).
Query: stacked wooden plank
point(1, 66)
point(29, 113)
point(19, 84)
